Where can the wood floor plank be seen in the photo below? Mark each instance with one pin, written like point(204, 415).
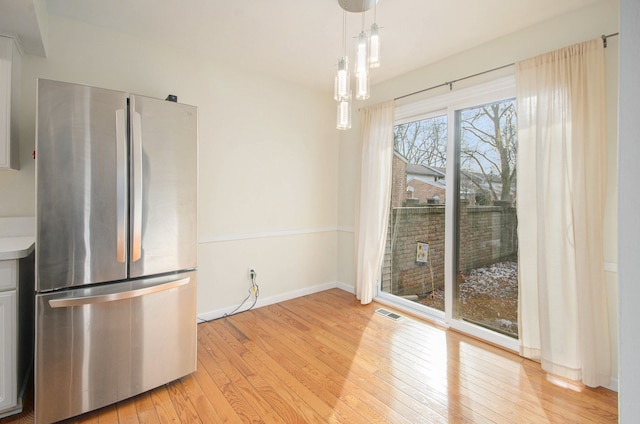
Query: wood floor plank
point(223, 408)
point(181, 402)
point(283, 372)
point(146, 410)
point(507, 412)
point(199, 400)
point(239, 373)
point(433, 419)
point(212, 364)
point(127, 412)
point(280, 356)
point(108, 415)
point(373, 413)
point(164, 406)
point(325, 358)
point(299, 390)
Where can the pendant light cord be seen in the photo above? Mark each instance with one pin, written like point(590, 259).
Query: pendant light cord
point(344, 33)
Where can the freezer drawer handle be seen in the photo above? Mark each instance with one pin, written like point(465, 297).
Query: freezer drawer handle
point(90, 300)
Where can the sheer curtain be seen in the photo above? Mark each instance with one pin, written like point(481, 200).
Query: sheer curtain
point(561, 191)
point(375, 191)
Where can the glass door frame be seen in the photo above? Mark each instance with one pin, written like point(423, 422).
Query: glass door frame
point(488, 92)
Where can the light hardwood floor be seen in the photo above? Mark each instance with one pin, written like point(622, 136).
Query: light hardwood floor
point(325, 358)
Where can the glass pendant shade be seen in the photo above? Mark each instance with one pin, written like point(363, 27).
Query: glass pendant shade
point(367, 55)
point(362, 85)
point(342, 86)
point(344, 115)
point(362, 54)
point(362, 67)
point(374, 46)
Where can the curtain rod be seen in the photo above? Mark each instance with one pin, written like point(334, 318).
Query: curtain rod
point(604, 38)
point(450, 83)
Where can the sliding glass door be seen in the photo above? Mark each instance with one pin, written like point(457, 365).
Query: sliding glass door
point(414, 265)
point(486, 281)
point(451, 250)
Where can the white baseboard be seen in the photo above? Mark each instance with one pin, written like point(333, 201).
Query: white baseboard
point(264, 301)
point(346, 287)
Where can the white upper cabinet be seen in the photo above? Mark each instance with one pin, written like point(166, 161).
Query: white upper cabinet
point(9, 99)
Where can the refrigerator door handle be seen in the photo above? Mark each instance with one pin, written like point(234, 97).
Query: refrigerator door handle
point(111, 297)
point(136, 158)
point(121, 178)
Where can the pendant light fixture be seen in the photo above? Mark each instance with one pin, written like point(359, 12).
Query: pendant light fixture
point(342, 86)
point(367, 55)
point(362, 65)
point(344, 115)
point(374, 41)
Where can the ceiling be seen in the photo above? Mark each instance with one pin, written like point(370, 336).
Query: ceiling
point(298, 40)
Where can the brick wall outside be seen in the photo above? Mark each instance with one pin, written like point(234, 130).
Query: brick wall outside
point(487, 235)
point(411, 225)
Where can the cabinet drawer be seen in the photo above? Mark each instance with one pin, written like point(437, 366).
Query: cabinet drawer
point(8, 276)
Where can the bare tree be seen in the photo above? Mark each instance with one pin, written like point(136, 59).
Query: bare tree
point(423, 142)
point(488, 146)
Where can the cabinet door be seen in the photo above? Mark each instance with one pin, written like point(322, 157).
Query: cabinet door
point(8, 277)
point(8, 384)
point(9, 90)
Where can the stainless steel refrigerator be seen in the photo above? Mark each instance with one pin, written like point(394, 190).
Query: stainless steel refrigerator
point(116, 247)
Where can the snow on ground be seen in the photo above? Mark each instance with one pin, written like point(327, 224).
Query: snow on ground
point(488, 296)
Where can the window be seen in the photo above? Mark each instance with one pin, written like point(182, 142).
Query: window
point(486, 283)
point(451, 249)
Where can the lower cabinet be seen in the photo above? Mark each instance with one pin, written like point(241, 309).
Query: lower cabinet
point(16, 331)
point(8, 365)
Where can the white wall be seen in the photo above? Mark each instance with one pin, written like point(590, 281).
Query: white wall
point(267, 165)
point(628, 206)
point(584, 24)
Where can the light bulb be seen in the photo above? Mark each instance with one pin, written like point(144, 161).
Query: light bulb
point(374, 46)
point(344, 115)
point(362, 85)
point(342, 85)
point(362, 58)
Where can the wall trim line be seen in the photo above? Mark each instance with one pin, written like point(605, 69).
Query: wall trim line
point(265, 234)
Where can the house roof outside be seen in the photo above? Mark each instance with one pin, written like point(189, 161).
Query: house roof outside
point(416, 169)
point(435, 176)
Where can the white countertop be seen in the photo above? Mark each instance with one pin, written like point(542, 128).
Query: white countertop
point(16, 247)
point(17, 238)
